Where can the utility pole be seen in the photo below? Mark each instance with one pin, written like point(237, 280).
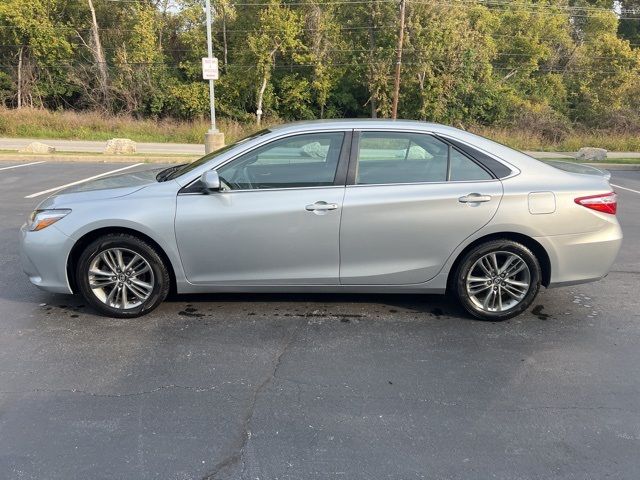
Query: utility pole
point(213, 139)
point(396, 86)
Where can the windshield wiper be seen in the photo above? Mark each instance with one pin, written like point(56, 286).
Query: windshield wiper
point(164, 174)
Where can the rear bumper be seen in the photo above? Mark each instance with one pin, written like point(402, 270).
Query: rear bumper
point(583, 257)
point(44, 258)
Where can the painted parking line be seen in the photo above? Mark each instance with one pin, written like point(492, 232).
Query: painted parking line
point(625, 188)
point(23, 165)
point(60, 187)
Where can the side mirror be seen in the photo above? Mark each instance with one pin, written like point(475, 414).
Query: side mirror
point(210, 181)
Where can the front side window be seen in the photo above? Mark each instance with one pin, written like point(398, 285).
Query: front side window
point(391, 157)
point(308, 160)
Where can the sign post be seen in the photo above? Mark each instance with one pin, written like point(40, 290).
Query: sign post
point(213, 139)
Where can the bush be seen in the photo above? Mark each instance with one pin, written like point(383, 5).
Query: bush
point(623, 121)
point(541, 120)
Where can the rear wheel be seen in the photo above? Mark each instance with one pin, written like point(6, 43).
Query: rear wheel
point(497, 280)
point(122, 276)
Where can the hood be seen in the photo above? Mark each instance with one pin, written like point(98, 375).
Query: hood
point(102, 188)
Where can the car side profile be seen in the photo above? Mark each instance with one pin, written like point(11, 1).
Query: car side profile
point(330, 206)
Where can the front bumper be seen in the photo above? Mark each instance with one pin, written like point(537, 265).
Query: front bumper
point(583, 257)
point(44, 258)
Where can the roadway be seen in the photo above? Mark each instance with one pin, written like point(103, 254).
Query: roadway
point(315, 386)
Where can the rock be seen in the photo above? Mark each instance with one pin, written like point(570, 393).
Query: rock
point(37, 147)
point(120, 146)
point(591, 154)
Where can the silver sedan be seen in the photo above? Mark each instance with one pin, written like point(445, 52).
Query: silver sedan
point(331, 206)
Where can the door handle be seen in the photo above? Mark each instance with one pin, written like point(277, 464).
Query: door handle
point(321, 207)
point(474, 198)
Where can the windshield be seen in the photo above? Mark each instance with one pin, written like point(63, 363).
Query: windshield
point(201, 161)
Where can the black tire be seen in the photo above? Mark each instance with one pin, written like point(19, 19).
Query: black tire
point(161, 279)
point(499, 247)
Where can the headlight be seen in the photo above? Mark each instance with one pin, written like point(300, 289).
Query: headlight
point(40, 219)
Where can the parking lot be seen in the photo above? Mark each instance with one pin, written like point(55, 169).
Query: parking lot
point(315, 386)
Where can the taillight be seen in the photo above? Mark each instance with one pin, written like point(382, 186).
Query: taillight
point(605, 202)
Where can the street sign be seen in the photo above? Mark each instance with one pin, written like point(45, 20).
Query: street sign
point(210, 69)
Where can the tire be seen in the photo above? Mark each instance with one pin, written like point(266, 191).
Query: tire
point(116, 291)
point(496, 294)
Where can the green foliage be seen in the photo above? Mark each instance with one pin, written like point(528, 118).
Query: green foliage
point(295, 100)
point(189, 100)
point(549, 66)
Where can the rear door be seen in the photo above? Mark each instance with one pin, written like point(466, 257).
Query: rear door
point(411, 199)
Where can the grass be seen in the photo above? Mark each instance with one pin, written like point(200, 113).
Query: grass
point(37, 123)
point(525, 140)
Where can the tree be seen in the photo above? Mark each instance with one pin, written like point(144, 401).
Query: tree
point(372, 44)
point(278, 31)
point(98, 53)
point(603, 79)
point(142, 76)
point(448, 69)
point(324, 48)
point(41, 45)
point(629, 26)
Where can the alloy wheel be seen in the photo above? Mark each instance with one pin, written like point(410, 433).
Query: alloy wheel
point(498, 281)
point(121, 278)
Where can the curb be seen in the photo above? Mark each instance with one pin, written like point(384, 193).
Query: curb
point(100, 158)
point(630, 167)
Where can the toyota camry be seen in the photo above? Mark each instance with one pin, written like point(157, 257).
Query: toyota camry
point(330, 206)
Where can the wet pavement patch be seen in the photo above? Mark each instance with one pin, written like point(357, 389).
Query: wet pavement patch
point(190, 311)
point(537, 311)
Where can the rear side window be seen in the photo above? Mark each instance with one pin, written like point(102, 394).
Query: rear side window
point(498, 169)
point(390, 157)
point(465, 169)
point(393, 157)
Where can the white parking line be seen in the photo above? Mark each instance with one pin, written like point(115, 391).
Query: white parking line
point(625, 188)
point(37, 194)
point(23, 165)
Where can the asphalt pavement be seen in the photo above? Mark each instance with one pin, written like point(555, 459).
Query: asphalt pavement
point(316, 386)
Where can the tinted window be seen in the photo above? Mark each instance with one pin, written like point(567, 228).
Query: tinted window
point(301, 161)
point(464, 169)
point(498, 169)
point(387, 157)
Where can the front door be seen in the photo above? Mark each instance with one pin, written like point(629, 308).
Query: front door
point(412, 200)
point(276, 221)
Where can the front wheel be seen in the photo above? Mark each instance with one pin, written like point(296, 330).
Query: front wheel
point(122, 276)
point(497, 280)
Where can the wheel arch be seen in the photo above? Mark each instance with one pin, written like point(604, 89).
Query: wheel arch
point(533, 245)
point(89, 237)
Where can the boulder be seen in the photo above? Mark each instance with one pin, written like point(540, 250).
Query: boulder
point(120, 146)
point(591, 154)
point(37, 147)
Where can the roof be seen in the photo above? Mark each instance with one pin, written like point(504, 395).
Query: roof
point(360, 123)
